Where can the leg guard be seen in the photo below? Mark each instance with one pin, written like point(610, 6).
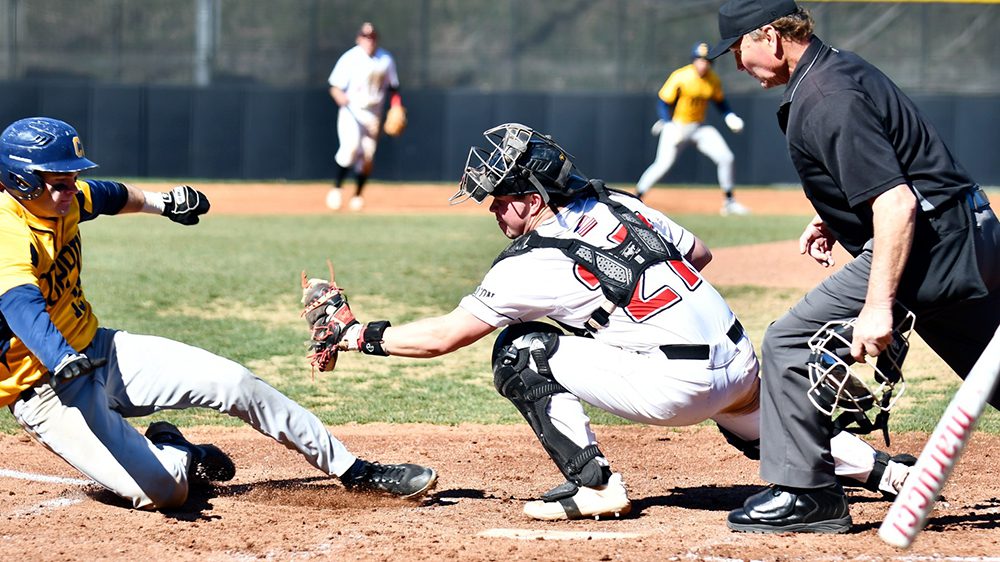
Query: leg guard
point(530, 390)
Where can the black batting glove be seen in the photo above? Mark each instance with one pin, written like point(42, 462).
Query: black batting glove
point(183, 204)
point(75, 365)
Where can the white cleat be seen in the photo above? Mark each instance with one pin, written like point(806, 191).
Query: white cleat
point(733, 207)
point(333, 199)
point(357, 202)
point(893, 478)
point(609, 500)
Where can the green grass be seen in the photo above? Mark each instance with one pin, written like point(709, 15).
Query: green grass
point(231, 285)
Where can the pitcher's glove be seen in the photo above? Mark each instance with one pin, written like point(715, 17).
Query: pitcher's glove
point(395, 120)
point(334, 327)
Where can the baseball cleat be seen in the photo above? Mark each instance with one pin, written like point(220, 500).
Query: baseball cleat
point(569, 501)
point(733, 208)
point(402, 480)
point(333, 199)
point(357, 203)
point(793, 510)
point(208, 462)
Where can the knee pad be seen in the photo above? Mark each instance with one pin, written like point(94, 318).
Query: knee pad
point(521, 374)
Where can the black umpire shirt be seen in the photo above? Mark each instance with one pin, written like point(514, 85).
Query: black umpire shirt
point(852, 135)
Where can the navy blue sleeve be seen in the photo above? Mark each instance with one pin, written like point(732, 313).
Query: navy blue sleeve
point(723, 106)
point(106, 198)
point(23, 307)
point(664, 110)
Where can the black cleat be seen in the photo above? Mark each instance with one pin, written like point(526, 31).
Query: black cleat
point(793, 510)
point(402, 480)
point(208, 462)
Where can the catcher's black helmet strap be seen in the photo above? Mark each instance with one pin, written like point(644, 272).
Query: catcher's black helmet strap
point(858, 423)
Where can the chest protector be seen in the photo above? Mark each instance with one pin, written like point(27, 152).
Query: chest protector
point(617, 269)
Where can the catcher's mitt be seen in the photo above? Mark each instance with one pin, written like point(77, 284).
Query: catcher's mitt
point(395, 121)
point(329, 318)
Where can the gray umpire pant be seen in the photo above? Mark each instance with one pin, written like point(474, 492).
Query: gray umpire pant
point(795, 436)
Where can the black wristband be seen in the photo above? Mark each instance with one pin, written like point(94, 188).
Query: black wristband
point(371, 338)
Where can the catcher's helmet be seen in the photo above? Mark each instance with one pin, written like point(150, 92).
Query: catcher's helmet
point(700, 51)
point(38, 144)
point(840, 385)
point(520, 161)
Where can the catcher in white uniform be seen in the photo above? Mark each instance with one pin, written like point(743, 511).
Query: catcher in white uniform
point(682, 103)
point(643, 335)
point(359, 84)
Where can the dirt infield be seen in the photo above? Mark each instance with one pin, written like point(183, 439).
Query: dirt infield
point(682, 482)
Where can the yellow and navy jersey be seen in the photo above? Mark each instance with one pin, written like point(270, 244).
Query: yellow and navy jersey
point(689, 94)
point(47, 253)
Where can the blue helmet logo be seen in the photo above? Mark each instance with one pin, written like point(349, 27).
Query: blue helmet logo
point(38, 144)
point(699, 51)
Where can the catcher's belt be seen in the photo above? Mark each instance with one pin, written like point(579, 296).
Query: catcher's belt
point(700, 351)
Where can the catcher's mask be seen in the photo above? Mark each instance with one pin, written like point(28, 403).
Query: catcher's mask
point(839, 385)
point(519, 161)
point(38, 144)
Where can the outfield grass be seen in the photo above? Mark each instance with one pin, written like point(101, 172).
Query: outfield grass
point(231, 285)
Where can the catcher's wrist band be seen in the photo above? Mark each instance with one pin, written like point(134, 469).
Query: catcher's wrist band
point(371, 338)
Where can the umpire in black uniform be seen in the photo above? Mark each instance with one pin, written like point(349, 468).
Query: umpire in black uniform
point(884, 186)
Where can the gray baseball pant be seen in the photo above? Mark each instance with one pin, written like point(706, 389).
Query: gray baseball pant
point(795, 436)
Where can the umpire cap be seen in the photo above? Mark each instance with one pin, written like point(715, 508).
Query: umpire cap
point(739, 17)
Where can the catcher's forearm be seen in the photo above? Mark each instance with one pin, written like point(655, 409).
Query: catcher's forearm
point(431, 337)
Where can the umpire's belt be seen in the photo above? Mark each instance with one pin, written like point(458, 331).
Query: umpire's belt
point(700, 351)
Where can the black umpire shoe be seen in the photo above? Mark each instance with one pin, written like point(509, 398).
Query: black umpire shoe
point(208, 462)
point(402, 480)
point(793, 510)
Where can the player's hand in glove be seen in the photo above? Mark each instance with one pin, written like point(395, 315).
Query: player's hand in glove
point(76, 364)
point(734, 122)
point(395, 118)
point(184, 204)
point(334, 327)
point(657, 127)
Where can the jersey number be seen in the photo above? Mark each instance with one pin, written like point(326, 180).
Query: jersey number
point(641, 307)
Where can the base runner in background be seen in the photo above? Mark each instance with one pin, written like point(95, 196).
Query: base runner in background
point(886, 187)
point(71, 383)
point(683, 101)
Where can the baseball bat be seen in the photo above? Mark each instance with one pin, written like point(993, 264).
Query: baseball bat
point(927, 478)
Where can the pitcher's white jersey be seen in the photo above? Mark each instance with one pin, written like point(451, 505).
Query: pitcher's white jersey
point(365, 79)
point(672, 303)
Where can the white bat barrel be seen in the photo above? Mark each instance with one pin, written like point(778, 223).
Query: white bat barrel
point(927, 478)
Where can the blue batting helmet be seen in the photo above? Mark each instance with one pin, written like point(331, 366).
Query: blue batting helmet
point(38, 144)
point(699, 51)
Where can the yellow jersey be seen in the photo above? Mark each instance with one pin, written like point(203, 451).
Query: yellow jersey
point(690, 93)
point(46, 253)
